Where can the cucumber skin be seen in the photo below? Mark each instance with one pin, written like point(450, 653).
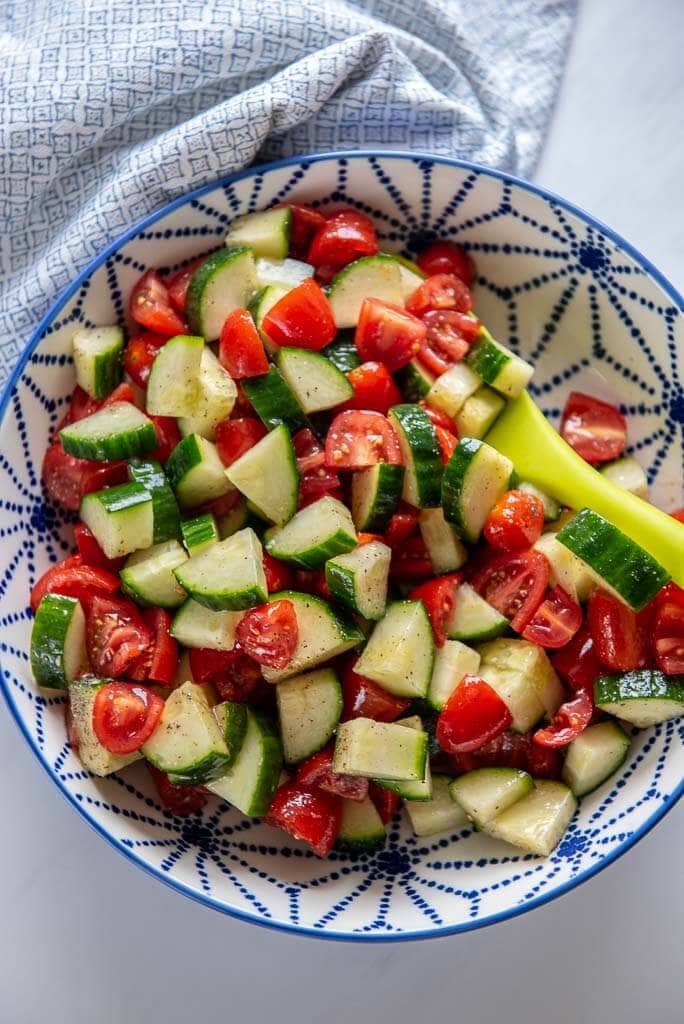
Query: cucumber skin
point(342, 352)
point(47, 643)
point(487, 360)
point(184, 457)
point(140, 441)
point(452, 482)
point(201, 278)
point(612, 689)
point(420, 437)
point(273, 402)
point(412, 384)
point(369, 844)
point(199, 532)
point(387, 497)
point(234, 729)
point(211, 767)
point(166, 515)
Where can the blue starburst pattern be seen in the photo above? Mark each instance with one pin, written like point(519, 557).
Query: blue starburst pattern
point(555, 286)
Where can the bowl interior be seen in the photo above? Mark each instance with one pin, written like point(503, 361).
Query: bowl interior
point(554, 285)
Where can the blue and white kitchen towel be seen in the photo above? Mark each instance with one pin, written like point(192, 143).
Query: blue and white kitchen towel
point(109, 108)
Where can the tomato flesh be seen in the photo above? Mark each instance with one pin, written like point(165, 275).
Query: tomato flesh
point(241, 350)
point(668, 638)
point(312, 581)
point(596, 430)
point(311, 816)
point(515, 522)
point(514, 584)
point(439, 598)
point(116, 635)
point(180, 282)
point(448, 337)
point(374, 388)
point(577, 663)
point(447, 258)
point(302, 318)
point(159, 664)
point(91, 552)
point(179, 800)
point(235, 437)
point(358, 439)
point(403, 523)
point(278, 574)
point(125, 715)
point(269, 634)
point(150, 306)
point(233, 674)
point(388, 334)
point(305, 223)
point(386, 802)
point(317, 773)
point(74, 578)
point(410, 560)
point(570, 720)
point(365, 699)
point(555, 621)
point(345, 236)
point(139, 354)
point(66, 479)
point(619, 641)
point(473, 715)
point(447, 443)
point(441, 291)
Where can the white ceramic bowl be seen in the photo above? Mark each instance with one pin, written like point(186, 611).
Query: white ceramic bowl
point(570, 295)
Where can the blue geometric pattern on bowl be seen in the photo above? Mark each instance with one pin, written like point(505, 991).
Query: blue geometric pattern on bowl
point(555, 285)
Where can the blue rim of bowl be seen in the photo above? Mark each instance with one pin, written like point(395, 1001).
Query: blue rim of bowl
point(112, 248)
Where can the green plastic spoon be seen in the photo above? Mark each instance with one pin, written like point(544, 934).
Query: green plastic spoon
point(541, 456)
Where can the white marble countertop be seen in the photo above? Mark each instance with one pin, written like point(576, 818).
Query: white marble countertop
point(89, 939)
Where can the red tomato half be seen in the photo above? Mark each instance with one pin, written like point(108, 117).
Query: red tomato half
point(619, 641)
point(386, 802)
point(178, 285)
point(125, 715)
point(235, 437)
point(555, 621)
point(91, 552)
point(305, 223)
point(668, 638)
point(358, 439)
point(570, 720)
point(447, 443)
point(278, 574)
point(448, 338)
point(514, 584)
point(678, 515)
point(439, 418)
point(447, 258)
point(439, 598)
point(168, 435)
point(441, 291)
point(269, 634)
point(388, 334)
point(80, 406)
point(473, 715)
point(116, 635)
point(373, 388)
point(302, 318)
point(595, 429)
point(317, 773)
point(312, 581)
point(139, 354)
point(150, 306)
point(515, 522)
point(577, 663)
point(315, 479)
point(66, 479)
point(411, 561)
point(180, 800)
point(241, 350)
point(73, 578)
point(313, 817)
point(345, 236)
point(403, 523)
point(365, 699)
point(159, 663)
point(233, 674)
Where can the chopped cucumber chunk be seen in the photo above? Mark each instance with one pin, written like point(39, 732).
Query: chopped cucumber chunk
point(165, 511)
point(287, 273)
point(486, 792)
point(473, 619)
point(194, 625)
point(453, 388)
point(474, 479)
point(227, 577)
point(361, 827)
point(446, 551)
point(440, 814)
point(273, 401)
point(628, 474)
point(453, 661)
point(420, 454)
point(378, 277)
point(200, 533)
point(537, 822)
point(479, 412)
point(118, 431)
point(148, 576)
point(120, 518)
point(309, 709)
point(58, 651)
point(172, 385)
point(380, 749)
point(93, 756)
point(594, 756)
point(188, 743)
point(552, 509)
point(196, 473)
point(375, 495)
point(317, 532)
point(323, 634)
point(410, 790)
point(97, 358)
point(267, 232)
point(566, 569)
point(522, 666)
point(498, 366)
point(643, 697)
point(224, 282)
point(358, 580)
point(314, 381)
point(267, 476)
point(252, 779)
point(214, 401)
point(400, 652)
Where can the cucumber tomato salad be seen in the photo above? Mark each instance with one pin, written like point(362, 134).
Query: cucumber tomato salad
point(304, 581)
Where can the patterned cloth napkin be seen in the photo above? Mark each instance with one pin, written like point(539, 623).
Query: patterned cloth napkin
point(112, 107)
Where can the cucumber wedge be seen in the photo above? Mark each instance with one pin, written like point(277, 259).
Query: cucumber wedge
point(643, 697)
point(58, 651)
point(628, 474)
point(440, 814)
point(380, 749)
point(522, 673)
point(264, 300)
point(200, 533)
point(93, 756)
point(594, 756)
point(453, 661)
point(479, 413)
point(317, 532)
point(536, 823)
point(419, 790)
point(148, 576)
point(227, 577)
point(196, 473)
point(473, 620)
point(267, 233)
point(323, 634)
point(486, 792)
point(267, 476)
point(194, 625)
point(361, 827)
point(566, 569)
point(420, 454)
point(286, 273)
point(120, 518)
point(314, 381)
point(224, 282)
point(474, 479)
point(358, 580)
point(188, 743)
point(453, 388)
point(232, 719)
point(446, 551)
point(498, 366)
point(214, 400)
point(400, 652)
point(377, 276)
point(274, 402)
point(97, 358)
point(375, 495)
point(165, 514)
point(415, 381)
point(342, 352)
point(309, 709)
point(172, 386)
point(118, 431)
point(252, 780)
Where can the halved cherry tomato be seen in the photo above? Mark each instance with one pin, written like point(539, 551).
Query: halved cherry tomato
point(570, 720)
point(555, 621)
point(439, 598)
point(386, 802)
point(302, 318)
point(507, 750)
point(315, 479)
point(241, 350)
point(668, 638)
point(116, 635)
point(619, 642)
point(678, 514)
point(269, 634)
point(80, 406)
point(595, 429)
point(448, 338)
point(73, 578)
point(515, 522)
point(305, 223)
point(278, 574)
point(411, 561)
point(544, 762)
point(473, 715)
point(159, 663)
point(388, 334)
point(150, 306)
point(235, 437)
point(123, 392)
point(312, 816)
point(441, 291)
point(308, 451)
point(312, 581)
point(447, 258)
point(365, 699)
point(139, 354)
point(233, 674)
point(447, 443)
point(219, 507)
point(373, 388)
point(91, 552)
point(345, 236)
point(125, 715)
point(180, 800)
point(578, 663)
point(439, 418)
point(402, 524)
point(359, 439)
point(66, 479)
point(514, 584)
point(317, 773)
point(168, 435)
point(178, 284)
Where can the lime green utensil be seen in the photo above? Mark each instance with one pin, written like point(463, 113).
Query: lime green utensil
point(541, 456)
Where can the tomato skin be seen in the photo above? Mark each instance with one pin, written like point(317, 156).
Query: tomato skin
point(159, 664)
point(473, 715)
point(179, 283)
point(447, 258)
point(305, 223)
point(179, 800)
point(317, 773)
point(233, 674)
point(345, 236)
point(150, 306)
point(80, 406)
point(241, 350)
point(577, 663)
point(315, 479)
point(66, 479)
point(168, 435)
point(441, 291)
point(302, 318)
point(116, 635)
point(439, 598)
point(515, 522)
point(74, 578)
point(448, 337)
point(596, 430)
point(365, 699)
point(125, 715)
point(411, 561)
point(358, 439)
point(507, 750)
point(312, 581)
point(439, 418)
point(313, 817)
point(140, 352)
point(403, 523)
point(570, 720)
point(619, 642)
point(278, 574)
point(374, 388)
point(269, 634)
point(91, 552)
point(555, 621)
point(544, 762)
point(678, 515)
point(669, 593)
point(514, 584)
point(447, 443)
point(235, 437)
point(386, 802)
point(388, 334)
point(668, 638)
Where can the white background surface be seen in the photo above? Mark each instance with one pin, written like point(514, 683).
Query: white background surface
point(86, 937)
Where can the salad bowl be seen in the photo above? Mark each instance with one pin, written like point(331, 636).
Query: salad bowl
point(561, 289)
